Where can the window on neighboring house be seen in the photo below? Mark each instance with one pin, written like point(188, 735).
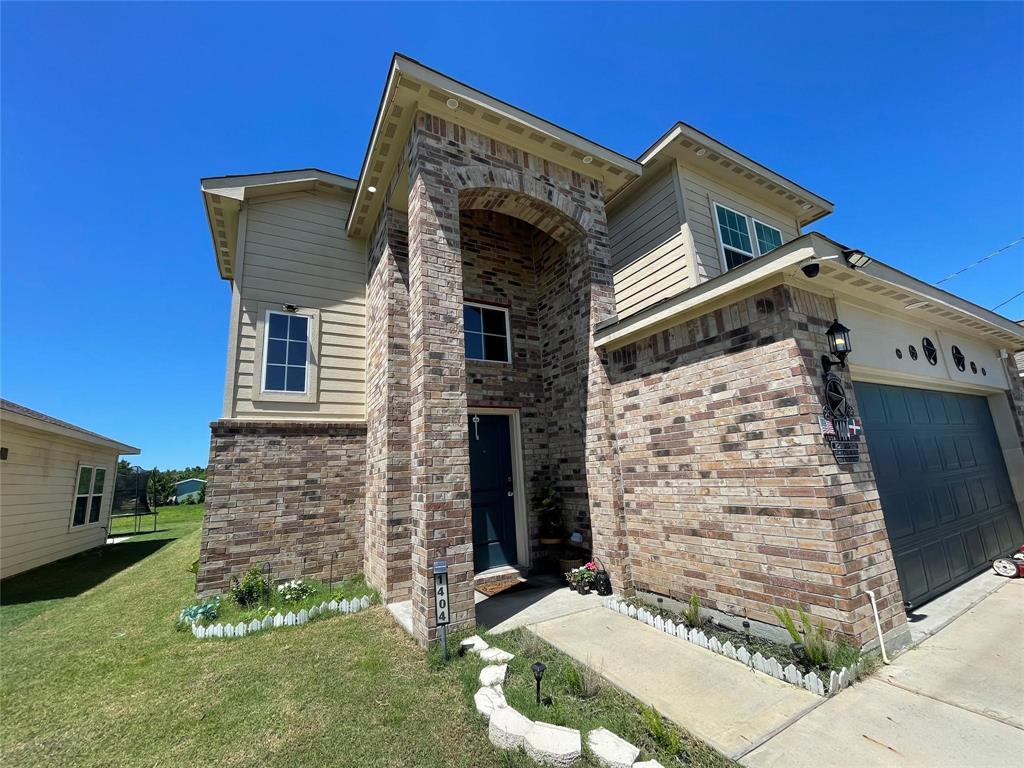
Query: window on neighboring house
point(88, 495)
point(737, 245)
point(287, 353)
point(768, 238)
point(487, 333)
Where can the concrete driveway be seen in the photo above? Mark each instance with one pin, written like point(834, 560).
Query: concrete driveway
point(956, 700)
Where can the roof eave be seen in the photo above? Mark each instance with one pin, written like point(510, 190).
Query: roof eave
point(70, 434)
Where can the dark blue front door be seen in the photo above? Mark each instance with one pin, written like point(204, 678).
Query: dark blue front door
point(490, 471)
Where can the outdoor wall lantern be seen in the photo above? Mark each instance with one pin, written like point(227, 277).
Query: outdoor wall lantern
point(538, 673)
point(838, 336)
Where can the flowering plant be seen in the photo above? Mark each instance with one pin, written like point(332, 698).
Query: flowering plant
point(585, 574)
point(296, 589)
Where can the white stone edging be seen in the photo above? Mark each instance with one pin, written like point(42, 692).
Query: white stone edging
point(289, 619)
point(770, 666)
point(545, 743)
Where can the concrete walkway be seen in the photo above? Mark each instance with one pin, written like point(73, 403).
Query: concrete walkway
point(955, 701)
point(539, 599)
point(718, 700)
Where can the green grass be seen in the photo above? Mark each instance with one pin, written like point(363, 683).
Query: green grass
point(34, 592)
point(581, 699)
point(101, 679)
point(173, 521)
point(93, 674)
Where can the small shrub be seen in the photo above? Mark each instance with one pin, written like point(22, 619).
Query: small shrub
point(663, 734)
point(252, 590)
point(691, 613)
point(205, 611)
point(582, 681)
point(295, 590)
point(811, 635)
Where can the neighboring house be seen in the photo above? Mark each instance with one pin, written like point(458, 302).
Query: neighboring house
point(499, 305)
point(56, 487)
point(188, 491)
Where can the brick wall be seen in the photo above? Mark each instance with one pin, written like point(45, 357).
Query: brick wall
point(290, 495)
point(729, 490)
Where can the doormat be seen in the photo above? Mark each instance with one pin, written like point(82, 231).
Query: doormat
point(491, 588)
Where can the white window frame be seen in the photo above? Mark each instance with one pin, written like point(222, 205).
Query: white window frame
point(752, 222)
point(721, 240)
point(508, 333)
point(75, 495)
point(259, 391)
point(757, 243)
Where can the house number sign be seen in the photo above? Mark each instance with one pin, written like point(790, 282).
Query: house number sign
point(442, 604)
point(840, 428)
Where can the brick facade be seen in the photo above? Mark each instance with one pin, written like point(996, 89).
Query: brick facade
point(286, 496)
point(729, 489)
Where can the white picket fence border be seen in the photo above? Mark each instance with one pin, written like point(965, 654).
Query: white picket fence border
point(290, 619)
point(788, 674)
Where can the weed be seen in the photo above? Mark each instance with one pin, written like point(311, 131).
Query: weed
point(691, 613)
point(664, 735)
point(582, 681)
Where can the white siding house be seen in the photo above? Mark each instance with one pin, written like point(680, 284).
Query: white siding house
point(56, 488)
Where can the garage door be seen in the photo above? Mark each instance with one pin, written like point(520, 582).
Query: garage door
point(945, 492)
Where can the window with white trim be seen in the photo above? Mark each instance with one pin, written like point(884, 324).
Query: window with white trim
point(487, 333)
point(734, 230)
point(88, 496)
point(768, 238)
point(286, 354)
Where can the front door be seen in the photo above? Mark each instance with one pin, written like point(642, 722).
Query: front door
point(493, 498)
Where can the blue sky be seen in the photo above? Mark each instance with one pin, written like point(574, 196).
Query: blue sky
point(909, 117)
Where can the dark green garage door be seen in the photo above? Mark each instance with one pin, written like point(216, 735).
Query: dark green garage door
point(945, 492)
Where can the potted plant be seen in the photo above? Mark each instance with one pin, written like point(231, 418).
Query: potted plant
point(572, 576)
point(548, 506)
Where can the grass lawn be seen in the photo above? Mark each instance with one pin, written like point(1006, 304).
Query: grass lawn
point(94, 674)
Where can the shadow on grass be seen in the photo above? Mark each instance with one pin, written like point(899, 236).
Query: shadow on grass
point(76, 574)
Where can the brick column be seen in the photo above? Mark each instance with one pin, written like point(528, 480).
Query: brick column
point(441, 516)
point(592, 258)
point(387, 410)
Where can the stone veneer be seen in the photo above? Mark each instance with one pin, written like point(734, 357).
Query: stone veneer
point(729, 489)
point(285, 494)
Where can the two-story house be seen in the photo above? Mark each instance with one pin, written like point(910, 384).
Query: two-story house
point(498, 305)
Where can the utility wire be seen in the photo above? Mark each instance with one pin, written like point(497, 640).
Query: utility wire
point(981, 261)
point(997, 306)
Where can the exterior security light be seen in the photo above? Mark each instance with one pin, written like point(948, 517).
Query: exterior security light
point(452, 103)
point(701, 152)
point(839, 345)
point(289, 308)
point(856, 259)
point(587, 159)
point(917, 304)
point(371, 190)
point(538, 673)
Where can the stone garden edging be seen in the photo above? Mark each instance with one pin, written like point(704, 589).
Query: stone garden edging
point(289, 619)
point(545, 743)
point(770, 666)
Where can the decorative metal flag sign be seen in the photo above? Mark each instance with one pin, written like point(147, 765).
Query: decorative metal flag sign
point(840, 428)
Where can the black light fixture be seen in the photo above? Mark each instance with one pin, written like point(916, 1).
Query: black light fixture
point(289, 308)
point(839, 345)
point(538, 673)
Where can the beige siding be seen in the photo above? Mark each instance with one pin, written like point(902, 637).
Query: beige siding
point(37, 489)
point(296, 252)
point(699, 193)
point(648, 246)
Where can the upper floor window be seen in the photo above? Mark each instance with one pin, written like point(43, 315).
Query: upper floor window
point(287, 353)
point(768, 238)
point(737, 244)
point(487, 333)
point(88, 495)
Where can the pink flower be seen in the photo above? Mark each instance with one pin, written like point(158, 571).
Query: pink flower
point(590, 566)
